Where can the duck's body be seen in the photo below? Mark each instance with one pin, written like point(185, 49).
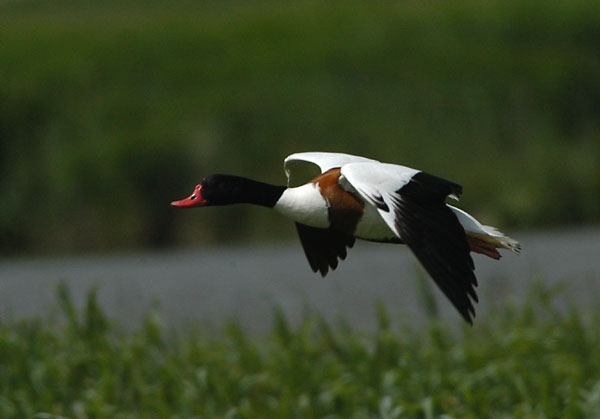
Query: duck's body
point(359, 198)
point(328, 202)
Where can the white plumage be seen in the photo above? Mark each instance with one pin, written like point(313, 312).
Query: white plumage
point(375, 181)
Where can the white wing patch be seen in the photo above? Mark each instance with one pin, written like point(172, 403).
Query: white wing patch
point(326, 161)
point(378, 183)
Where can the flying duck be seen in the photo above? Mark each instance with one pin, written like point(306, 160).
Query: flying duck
point(359, 198)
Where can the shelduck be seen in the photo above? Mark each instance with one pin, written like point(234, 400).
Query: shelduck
point(359, 198)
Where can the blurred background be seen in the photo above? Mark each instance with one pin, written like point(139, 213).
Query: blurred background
point(109, 111)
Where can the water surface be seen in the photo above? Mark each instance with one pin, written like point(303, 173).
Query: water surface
point(207, 286)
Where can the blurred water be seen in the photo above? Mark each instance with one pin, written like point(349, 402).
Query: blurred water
point(208, 286)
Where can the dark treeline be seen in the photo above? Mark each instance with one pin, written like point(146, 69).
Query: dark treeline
point(110, 111)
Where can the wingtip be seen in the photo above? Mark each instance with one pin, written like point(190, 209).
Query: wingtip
point(469, 316)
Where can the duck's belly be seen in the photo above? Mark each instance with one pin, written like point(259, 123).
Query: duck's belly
point(372, 227)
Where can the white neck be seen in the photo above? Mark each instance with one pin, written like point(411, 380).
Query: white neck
point(304, 204)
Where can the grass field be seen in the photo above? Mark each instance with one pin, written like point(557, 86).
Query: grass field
point(531, 361)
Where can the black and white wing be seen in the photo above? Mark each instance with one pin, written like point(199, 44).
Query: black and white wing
point(412, 203)
point(325, 160)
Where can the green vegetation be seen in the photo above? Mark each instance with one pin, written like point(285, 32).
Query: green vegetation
point(530, 361)
point(110, 110)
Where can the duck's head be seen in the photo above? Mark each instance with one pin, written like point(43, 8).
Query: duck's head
point(229, 189)
point(212, 190)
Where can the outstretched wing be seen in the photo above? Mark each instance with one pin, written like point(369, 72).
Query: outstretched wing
point(326, 161)
point(412, 203)
point(323, 247)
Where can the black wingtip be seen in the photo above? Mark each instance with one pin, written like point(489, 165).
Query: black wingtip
point(473, 295)
point(469, 314)
point(324, 248)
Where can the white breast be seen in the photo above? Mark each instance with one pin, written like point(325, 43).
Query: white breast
point(304, 204)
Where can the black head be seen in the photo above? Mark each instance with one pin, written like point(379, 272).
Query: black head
point(228, 189)
point(225, 189)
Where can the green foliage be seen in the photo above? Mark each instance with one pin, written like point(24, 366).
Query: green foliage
point(529, 361)
point(110, 111)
